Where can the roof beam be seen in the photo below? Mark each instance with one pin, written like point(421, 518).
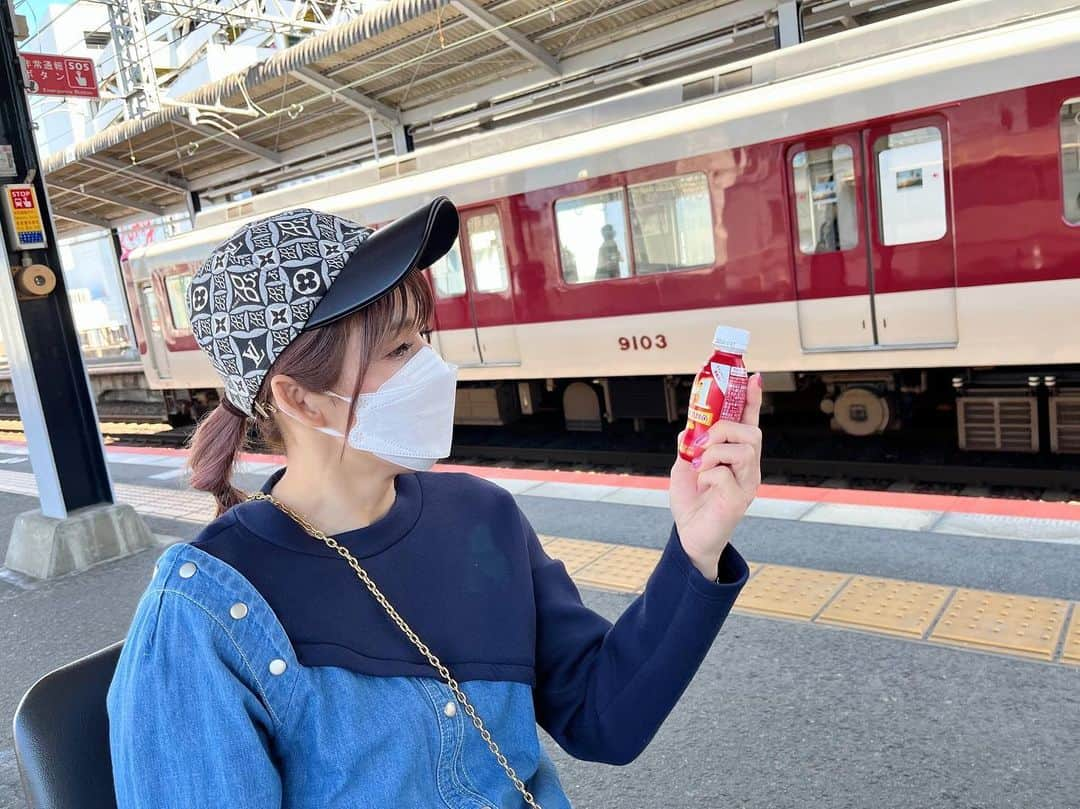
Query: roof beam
point(148, 176)
point(348, 95)
point(112, 199)
point(656, 39)
point(638, 43)
point(233, 141)
point(514, 39)
point(82, 218)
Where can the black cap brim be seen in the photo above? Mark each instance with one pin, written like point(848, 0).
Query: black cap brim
point(380, 262)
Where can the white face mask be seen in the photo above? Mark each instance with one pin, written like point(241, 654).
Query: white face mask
point(409, 420)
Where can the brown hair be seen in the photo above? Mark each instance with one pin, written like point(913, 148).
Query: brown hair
point(314, 359)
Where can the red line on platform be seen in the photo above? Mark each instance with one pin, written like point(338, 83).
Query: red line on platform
point(993, 506)
point(556, 476)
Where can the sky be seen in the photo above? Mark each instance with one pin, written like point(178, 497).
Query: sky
point(34, 10)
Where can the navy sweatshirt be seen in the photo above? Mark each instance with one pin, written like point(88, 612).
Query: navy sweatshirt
point(461, 564)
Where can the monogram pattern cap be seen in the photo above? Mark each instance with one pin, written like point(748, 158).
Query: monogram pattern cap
point(256, 291)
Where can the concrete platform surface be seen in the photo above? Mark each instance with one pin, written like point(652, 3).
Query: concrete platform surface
point(837, 682)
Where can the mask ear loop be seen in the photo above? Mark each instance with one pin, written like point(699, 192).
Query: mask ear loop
point(298, 420)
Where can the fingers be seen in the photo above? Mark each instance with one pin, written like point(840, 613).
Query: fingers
point(682, 473)
point(734, 433)
point(752, 411)
point(721, 480)
point(742, 459)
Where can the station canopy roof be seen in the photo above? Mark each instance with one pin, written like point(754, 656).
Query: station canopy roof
point(433, 69)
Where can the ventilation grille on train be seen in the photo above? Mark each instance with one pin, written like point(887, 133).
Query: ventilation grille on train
point(714, 85)
point(1065, 423)
point(998, 423)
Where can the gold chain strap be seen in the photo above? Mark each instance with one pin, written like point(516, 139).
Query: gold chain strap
point(412, 636)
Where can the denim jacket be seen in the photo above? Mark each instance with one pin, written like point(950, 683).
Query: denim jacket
point(215, 704)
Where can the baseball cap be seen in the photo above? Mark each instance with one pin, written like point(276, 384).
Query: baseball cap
point(301, 269)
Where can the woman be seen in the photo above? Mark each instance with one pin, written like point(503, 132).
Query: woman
point(262, 670)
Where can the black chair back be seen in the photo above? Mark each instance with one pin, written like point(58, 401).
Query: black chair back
point(62, 736)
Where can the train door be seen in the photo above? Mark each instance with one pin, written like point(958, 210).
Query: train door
point(474, 305)
point(155, 337)
point(832, 270)
point(455, 325)
point(873, 242)
point(911, 243)
point(490, 293)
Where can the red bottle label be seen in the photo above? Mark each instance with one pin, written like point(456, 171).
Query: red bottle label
point(719, 393)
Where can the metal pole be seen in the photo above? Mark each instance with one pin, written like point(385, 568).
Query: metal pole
point(51, 385)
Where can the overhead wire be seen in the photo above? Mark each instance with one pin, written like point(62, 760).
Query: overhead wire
point(224, 12)
point(161, 46)
point(484, 33)
point(50, 23)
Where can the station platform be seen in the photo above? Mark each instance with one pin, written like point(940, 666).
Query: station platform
point(889, 648)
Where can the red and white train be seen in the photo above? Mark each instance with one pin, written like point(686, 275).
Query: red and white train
point(898, 231)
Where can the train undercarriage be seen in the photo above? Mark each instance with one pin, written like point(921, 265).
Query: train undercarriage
point(1033, 410)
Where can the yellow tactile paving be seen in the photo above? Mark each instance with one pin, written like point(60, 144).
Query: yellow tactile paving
point(1017, 625)
point(1020, 625)
point(1071, 652)
point(623, 568)
point(575, 553)
point(886, 605)
point(792, 592)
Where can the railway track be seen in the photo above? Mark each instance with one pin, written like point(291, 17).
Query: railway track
point(916, 471)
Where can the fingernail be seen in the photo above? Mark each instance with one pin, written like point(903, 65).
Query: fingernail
point(696, 463)
point(701, 439)
point(760, 381)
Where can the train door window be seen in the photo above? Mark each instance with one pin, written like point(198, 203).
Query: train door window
point(176, 286)
point(486, 252)
point(671, 224)
point(1070, 159)
point(825, 199)
point(911, 186)
point(592, 236)
point(448, 273)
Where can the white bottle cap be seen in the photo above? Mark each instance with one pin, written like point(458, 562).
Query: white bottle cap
point(731, 339)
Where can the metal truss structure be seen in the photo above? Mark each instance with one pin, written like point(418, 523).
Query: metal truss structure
point(373, 80)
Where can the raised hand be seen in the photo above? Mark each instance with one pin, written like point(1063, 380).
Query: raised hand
point(710, 496)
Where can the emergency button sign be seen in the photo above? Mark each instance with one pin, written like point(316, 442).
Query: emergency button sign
point(60, 75)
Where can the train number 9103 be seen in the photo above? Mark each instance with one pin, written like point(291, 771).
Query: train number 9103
point(643, 343)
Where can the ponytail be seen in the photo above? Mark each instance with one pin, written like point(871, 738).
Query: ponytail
point(217, 441)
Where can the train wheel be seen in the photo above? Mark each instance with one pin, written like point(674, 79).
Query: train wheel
point(859, 412)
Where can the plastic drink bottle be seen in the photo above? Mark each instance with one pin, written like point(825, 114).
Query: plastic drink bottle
point(719, 390)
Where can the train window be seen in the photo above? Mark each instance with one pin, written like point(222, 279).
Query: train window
point(592, 236)
point(177, 288)
point(911, 186)
point(448, 273)
point(486, 251)
point(671, 224)
point(1070, 158)
point(825, 200)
